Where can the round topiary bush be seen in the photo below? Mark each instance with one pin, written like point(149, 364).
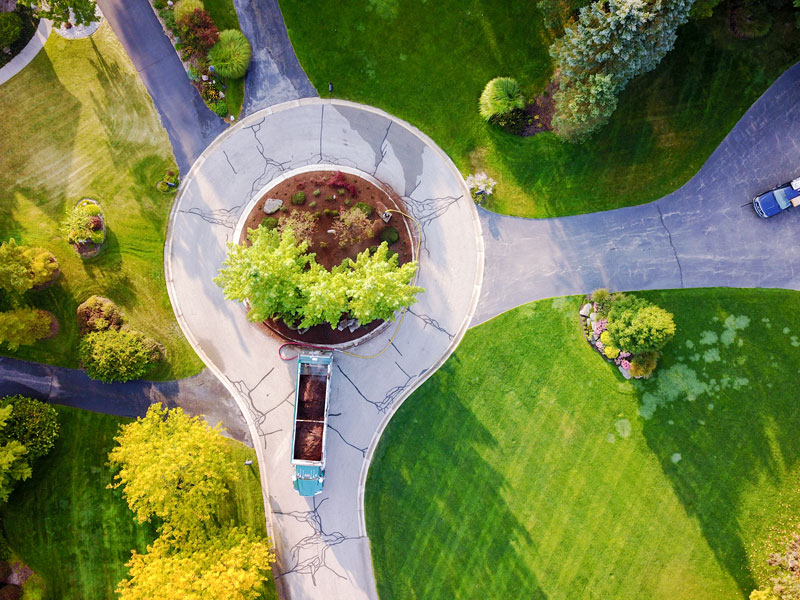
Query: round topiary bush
point(231, 54)
point(23, 327)
point(389, 235)
point(99, 314)
point(501, 96)
point(118, 355)
point(33, 424)
point(750, 20)
point(186, 7)
point(10, 28)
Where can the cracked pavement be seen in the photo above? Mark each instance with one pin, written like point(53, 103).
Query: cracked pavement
point(704, 234)
point(321, 542)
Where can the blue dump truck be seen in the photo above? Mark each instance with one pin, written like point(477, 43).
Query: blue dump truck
point(311, 392)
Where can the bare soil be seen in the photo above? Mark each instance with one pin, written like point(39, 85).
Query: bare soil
point(541, 110)
point(323, 243)
point(311, 405)
point(308, 441)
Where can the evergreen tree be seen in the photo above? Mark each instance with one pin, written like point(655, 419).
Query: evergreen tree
point(618, 39)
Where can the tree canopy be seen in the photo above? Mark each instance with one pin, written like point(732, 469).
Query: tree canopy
point(638, 326)
point(279, 279)
point(171, 466)
point(14, 464)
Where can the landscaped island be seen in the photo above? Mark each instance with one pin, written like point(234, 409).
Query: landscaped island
point(359, 273)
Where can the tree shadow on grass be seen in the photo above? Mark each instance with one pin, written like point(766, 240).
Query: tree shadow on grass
point(425, 518)
point(751, 436)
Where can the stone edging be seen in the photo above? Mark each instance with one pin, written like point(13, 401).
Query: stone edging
point(29, 52)
point(248, 120)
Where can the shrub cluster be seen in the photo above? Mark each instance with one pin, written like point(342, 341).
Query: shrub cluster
point(389, 235)
point(118, 355)
point(34, 424)
point(339, 181)
point(280, 280)
point(84, 224)
point(10, 28)
point(24, 267)
point(352, 227)
point(197, 30)
point(23, 327)
point(629, 330)
point(99, 314)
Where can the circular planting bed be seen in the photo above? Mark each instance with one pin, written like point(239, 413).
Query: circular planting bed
point(86, 228)
point(312, 204)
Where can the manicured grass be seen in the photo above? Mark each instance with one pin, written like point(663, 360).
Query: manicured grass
point(524, 469)
point(428, 63)
point(223, 13)
point(79, 123)
point(77, 534)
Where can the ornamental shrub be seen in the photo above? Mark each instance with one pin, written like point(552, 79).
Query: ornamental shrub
point(639, 326)
point(11, 592)
point(611, 351)
point(23, 327)
point(298, 198)
point(303, 224)
point(500, 97)
point(198, 32)
point(605, 337)
point(601, 295)
point(231, 54)
point(25, 267)
point(389, 235)
point(364, 207)
point(10, 28)
point(122, 355)
point(184, 8)
point(220, 108)
point(99, 314)
point(352, 227)
point(339, 181)
point(644, 364)
point(33, 424)
point(269, 223)
point(84, 225)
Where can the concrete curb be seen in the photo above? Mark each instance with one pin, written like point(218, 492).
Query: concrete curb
point(29, 52)
point(247, 121)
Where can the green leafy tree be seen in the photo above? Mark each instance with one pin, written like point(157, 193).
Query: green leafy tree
point(583, 106)
point(638, 326)
point(230, 564)
point(14, 465)
point(376, 286)
point(173, 467)
point(325, 296)
point(15, 268)
point(618, 39)
point(501, 96)
point(10, 28)
point(33, 424)
point(118, 355)
point(231, 54)
point(268, 274)
point(23, 327)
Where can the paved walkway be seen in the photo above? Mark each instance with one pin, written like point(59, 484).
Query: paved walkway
point(29, 52)
point(275, 74)
point(191, 126)
point(704, 234)
point(202, 394)
point(321, 543)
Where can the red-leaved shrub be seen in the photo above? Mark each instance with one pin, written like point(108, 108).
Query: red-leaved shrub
point(338, 181)
point(198, 32)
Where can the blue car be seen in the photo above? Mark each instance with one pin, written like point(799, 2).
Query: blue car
point(774, 201)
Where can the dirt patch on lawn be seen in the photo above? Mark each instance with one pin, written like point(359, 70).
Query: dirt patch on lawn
point(541, 111)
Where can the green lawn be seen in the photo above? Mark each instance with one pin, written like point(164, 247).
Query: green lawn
point(77, 534)
point(78, 122)
point(427, 62)
point(524, 469)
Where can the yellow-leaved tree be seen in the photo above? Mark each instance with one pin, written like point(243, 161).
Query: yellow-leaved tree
point(232, 564)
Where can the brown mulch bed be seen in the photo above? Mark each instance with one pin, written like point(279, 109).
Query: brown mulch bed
point(541, 111)
point(308, 441)
point(324, 244)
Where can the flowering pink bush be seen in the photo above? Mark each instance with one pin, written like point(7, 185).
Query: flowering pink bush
point(599, 345)
point(599, 326)
point(625, 364)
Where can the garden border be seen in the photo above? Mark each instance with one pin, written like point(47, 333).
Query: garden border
point(29, 52)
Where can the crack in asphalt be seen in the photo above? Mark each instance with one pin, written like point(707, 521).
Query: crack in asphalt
point(669, 236)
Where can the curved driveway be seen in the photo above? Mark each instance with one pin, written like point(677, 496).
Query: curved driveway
point(321, 543)
point(704, 234)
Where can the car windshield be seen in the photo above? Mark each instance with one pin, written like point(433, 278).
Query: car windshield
point(780, 196)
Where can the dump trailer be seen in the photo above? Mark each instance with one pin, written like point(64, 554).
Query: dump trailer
point(311, 392)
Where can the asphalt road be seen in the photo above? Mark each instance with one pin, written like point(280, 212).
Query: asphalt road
point(191, 126)
point(704, 234)
point(202, 394)
point(275, 74)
